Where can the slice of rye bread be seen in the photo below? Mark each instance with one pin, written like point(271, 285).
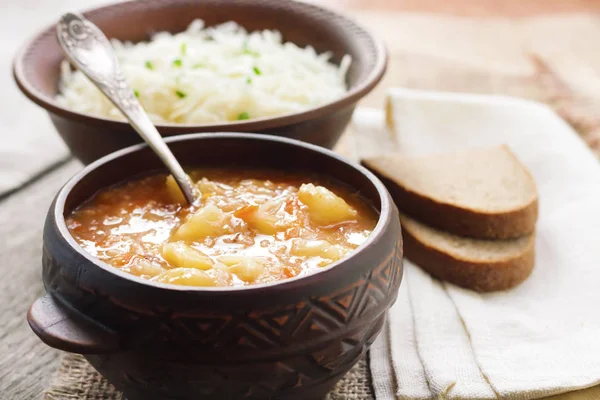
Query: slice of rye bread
point(480, 265)
point(480, 193)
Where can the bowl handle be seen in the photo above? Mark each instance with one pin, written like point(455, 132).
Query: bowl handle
point(65, 331)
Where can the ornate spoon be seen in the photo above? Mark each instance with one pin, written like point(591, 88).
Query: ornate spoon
point(90, 51)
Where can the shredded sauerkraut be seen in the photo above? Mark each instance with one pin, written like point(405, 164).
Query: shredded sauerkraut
point(214, 74)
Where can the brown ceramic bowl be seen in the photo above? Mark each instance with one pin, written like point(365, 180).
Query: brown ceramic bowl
point(36, 67)
point(292, 339)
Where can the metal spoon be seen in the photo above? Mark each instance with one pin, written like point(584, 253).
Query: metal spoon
point(90, 51)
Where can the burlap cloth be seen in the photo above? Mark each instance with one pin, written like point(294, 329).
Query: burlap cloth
point(78, 380)
point(547, 59)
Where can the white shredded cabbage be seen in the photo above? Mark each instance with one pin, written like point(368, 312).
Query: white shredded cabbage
point(214, 74)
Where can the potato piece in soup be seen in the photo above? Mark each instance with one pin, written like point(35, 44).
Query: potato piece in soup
point(180, 255)
point(210, 220)
point(247, 269)
point(174, 190)
point(324, 206)
point(145, 268)
point(318, 248)
point(263, 218)
point(187, 277)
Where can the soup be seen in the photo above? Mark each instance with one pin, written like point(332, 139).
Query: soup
point(247, 227)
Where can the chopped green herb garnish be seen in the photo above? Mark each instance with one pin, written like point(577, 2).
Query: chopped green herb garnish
point(249, 81)
point(177, 62)
point(256, 70)
point(243, 116)
point(180, 94)
point(183, 48)
point(246, 50)
point(199, 65)
point(149, 65)
point(136, 93)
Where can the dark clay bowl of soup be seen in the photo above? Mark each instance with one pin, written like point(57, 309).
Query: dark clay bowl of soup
point(273, 285)
point(284, 68)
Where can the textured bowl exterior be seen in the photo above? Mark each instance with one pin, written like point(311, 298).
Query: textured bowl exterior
point(90, 142)
point(36, 67)
point(290, 340)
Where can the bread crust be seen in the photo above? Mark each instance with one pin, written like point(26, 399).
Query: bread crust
point(461, 221)
point(470, 274)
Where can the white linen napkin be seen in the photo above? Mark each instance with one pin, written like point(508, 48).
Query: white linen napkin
point(538, 339)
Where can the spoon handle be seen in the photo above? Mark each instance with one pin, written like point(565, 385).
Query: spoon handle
point(90, 51)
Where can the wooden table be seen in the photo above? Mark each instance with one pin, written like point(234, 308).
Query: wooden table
point(472, 8)
point(541, 50)
point(34, 163)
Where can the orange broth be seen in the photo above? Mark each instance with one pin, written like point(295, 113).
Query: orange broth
point(249, 226)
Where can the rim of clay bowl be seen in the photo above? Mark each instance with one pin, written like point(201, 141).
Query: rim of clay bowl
point(385, 213)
